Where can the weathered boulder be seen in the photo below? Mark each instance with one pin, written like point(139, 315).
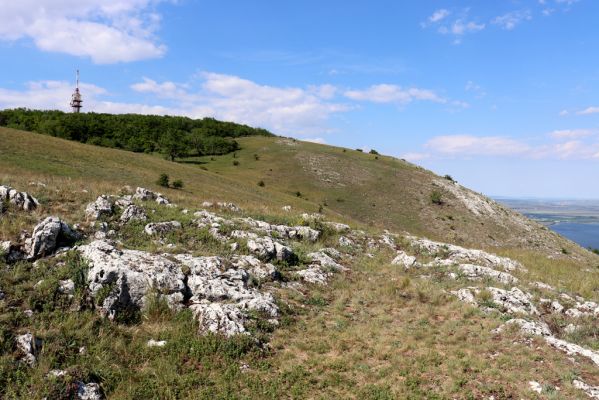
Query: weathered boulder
point(403, 259)
point(49, 235)
point(314, 274)
point(133, 213)
point(29, 346)
point(345, 241)
point(145, 195)
point(67, 287)
point(324, 260)
point(460, 255)
point(288, 232)
point(513, 301)
point(89, 391)
point(156, 343)
point(22, 200)
point(255, 267)
point(591, 391)
point(126, 277)
point(161, 228)
point(527, 327)
point(228, 206)
point(474, 272)
point(226, 319)
point(268, 249)
point(338, 227)
point(102, 207)
point(11, 252)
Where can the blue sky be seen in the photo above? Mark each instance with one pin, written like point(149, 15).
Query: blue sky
point(502, 95)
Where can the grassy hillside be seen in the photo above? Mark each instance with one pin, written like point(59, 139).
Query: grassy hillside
point(377, 331)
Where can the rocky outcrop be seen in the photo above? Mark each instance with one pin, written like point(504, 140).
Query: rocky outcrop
point(460, 255)
point(162, 228)
point(11, 252)
point(22, 200)
point(29, 346)
point(474, 272)
point(48, 236)
point(89, 391)
point(268, 249)
point(218, 295)
point(283, 231)
point(102, 207)
point(125, 278)
point(591, 391)
point(314, 274)
point(403, 259)
point(133, 213)
point(147, 195)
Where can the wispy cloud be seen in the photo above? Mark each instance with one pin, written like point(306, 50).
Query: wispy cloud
point(107, 31)
point(510, 20)
point(588, 111)
point(438, 15)
point(469, 145)
point(388, 93)
point(568, 144)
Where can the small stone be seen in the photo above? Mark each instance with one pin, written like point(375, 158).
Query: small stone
point(156, 343)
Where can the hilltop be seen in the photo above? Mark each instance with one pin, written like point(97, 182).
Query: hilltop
point(293, 270)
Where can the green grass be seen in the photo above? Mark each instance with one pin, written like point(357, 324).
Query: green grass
point(377, 332)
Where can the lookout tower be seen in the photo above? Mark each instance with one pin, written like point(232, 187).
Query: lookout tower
point(76, 97)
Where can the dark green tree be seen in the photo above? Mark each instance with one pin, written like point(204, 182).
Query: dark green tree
point(173, 143)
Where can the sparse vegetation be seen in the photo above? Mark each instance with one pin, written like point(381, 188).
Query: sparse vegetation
point(163, 180)
point(436, 197)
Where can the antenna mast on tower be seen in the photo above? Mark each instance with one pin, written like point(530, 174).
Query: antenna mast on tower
point(76, 97)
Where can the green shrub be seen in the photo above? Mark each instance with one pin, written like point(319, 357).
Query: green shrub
point(373, 151)
point(261, 183)
point(163, 180)
point(436, 197)
point(449, 178)
point(256, 157)
point(235, 162)
point(360, 150)
point(178, 184)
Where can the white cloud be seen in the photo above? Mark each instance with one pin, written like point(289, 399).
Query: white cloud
point(478, 91)
point(563, 113)
point(469, 145)
point(510, 20)
point(460, 27)
point(571, 133)
point(387, 93)
point(589, 110)
point(107, 31)
point(438, 15)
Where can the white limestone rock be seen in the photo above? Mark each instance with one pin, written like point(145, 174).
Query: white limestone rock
point(101, 207)
point(403, 259)
point(513, 301)
point(474, 272)
point(460, 255)
point(89, 391)
point(133, 213)
point(29, 346)
point(162, 228)
point(591, 391)
point(314, 274)
point(146, 195)
point(345, 241)
point(131, 275)
point(220, 318)
point(324, 260)
point(527, 327)
point(268, 249)
point(338, 227)
point(22, 200)
point(49, 235)
point(156, 343)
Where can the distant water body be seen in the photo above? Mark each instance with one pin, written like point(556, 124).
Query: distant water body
point(577, 220)
point(586, 235)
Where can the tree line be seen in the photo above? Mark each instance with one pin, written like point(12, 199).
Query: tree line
point(172, 136)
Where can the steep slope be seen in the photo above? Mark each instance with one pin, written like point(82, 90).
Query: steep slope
point(374, 190)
